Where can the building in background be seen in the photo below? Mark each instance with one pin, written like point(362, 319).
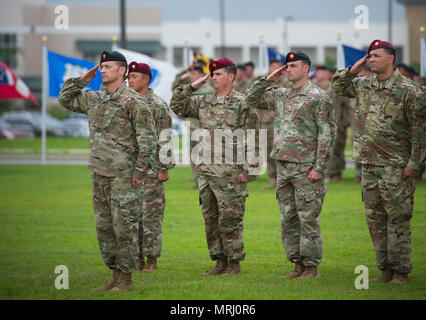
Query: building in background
point(415, 15)
point(318, 40)
point(91, 28)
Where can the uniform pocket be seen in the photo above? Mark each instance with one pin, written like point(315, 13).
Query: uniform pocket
point(107, 118)
point(318, 193)
point(131, 197)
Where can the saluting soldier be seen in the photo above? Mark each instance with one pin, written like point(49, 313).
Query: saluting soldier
point(123, 142)
point(222, 186)
point(304, 136)
point(388, 142)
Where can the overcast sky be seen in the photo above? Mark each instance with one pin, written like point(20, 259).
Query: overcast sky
point(243, 10)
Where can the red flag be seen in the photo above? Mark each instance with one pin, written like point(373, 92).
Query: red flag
point(11, 87)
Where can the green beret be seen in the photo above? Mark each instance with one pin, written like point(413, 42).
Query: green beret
point(112, 56)
point(296, 56)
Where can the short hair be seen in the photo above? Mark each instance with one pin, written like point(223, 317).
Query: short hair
point(306, 62)
point(201, 61)
point(392, 52)
point(241, 66)
point(250, 64)
point(198, 69)
point(231, 69)
point(275, 61)
point(123, 64)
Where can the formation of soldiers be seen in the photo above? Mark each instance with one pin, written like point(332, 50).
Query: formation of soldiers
point(306, 121)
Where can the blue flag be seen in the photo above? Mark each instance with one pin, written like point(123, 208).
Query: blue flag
point(352, 55)
point(272, 54)
point(62, 67)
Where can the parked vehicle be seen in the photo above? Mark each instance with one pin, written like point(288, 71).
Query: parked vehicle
point(76, 127)
point(54, 127)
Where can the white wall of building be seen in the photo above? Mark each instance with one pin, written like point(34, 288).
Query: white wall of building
point(243, 37)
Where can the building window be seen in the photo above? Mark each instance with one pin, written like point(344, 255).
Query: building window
point(8, 49)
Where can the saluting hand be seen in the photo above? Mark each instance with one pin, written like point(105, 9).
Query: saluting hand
point(91, 74)
point(200, 82)
point(359, 65)
point(276, 74)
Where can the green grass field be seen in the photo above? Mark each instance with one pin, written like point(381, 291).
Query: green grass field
point(54, 145)
point(46, 220)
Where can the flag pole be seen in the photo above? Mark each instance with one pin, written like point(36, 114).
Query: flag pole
point(422, 52)
point(261, 55)
point(185, 53)
point(44, 85)
point(340, 63)
point(114, 45)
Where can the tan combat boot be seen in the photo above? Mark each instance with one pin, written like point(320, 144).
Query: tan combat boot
point(272, 185)
point(399, 277)
point(298, 270)
point(232, 268)
point(385, 276)
point(110, 284)
point(151, 264)
point(309, 273)
point(219, 268)
point(124, 282)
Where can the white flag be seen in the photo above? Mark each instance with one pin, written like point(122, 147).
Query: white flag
point(163, 73)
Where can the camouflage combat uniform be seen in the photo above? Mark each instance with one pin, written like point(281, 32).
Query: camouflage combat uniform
point(150, 224)
point(222, 198)
point(388, 136)
point(304, 135)
point(267, 122)
point(122, 145)
point(343, 115)
point(242, 86)
point(194, 123)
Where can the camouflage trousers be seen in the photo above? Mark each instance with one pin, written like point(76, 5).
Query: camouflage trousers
point(271, 163)
point(358, 169)
point(194, 125)
point(300, 202)
point(336, 164)
point(222, 203)
point(151, 221)
point(116, 206)
point(388, 201)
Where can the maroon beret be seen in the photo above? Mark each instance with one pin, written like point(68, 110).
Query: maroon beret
point(219, 64)
point(377, 44)
point(140, 67)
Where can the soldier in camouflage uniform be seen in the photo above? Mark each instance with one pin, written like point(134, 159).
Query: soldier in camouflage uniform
point(194, 124)
point(222, 186)
point(241, 83)
point(267, 122)
point(304, 135)
point(388, 141)
point(123, 141)
point(189, 75)
point(150, 224)
point(342, 112)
